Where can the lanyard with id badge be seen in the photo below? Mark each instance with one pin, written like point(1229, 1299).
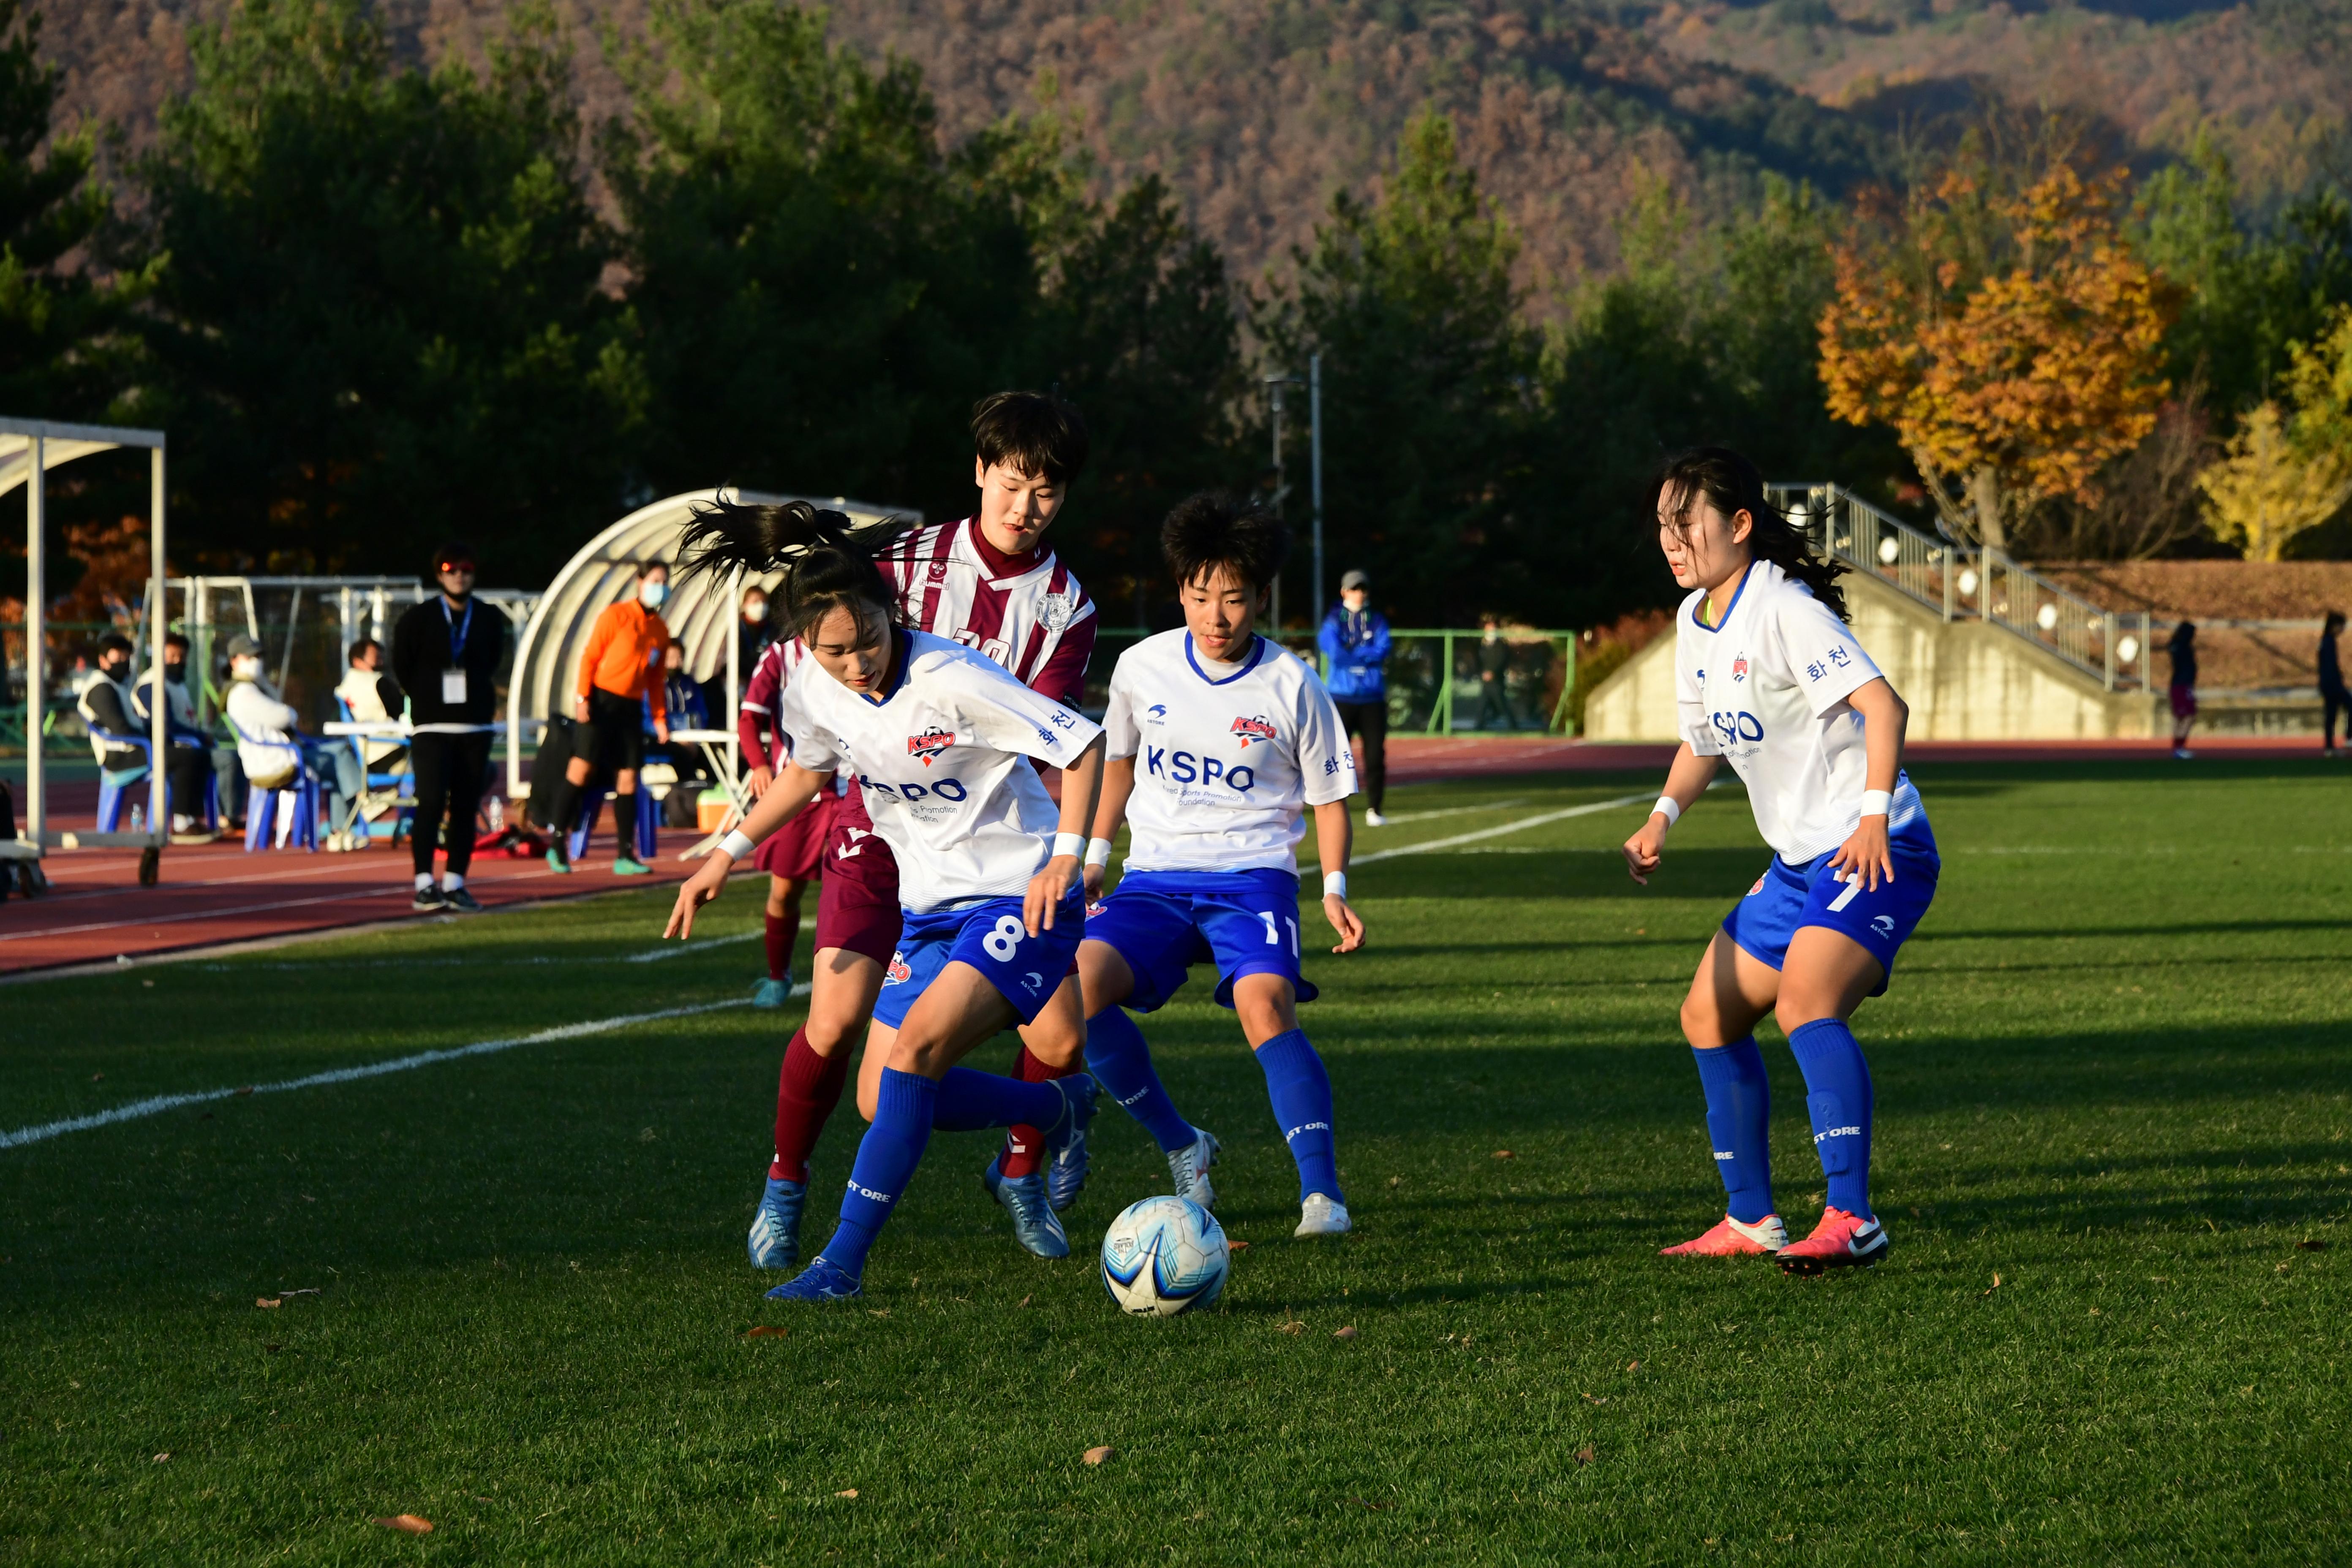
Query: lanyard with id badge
point(453, 679)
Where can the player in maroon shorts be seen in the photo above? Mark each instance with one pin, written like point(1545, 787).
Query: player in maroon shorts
point(794, 854)
point(987, 581)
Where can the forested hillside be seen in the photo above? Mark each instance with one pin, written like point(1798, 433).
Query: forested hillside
point(1255, 111)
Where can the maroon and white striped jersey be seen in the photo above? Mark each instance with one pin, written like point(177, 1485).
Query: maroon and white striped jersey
point(1037, 622)
point(764, 695)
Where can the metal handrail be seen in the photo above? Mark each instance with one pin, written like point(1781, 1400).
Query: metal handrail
point(1962, 581)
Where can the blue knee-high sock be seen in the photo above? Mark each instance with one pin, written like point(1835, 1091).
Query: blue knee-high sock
point(886, 1162)
point(1121, 1063)
point(1301, 1092)
point(970, 1100)
point(1837, 1085)
point(1739, 1116)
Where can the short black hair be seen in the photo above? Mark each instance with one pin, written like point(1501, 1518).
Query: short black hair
point(1032, 432)
point(361, 647)
point(1212, 529)
point(647, 568)
point(447, 550)
point(113, 642)
point(176, 639)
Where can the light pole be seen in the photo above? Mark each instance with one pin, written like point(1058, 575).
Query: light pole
point(1315, 449)
point(1273, 384)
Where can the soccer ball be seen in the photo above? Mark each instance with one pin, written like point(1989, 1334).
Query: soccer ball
point(1164, 1255)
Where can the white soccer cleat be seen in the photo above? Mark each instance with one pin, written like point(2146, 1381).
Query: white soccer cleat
point(1374, 819)
point(1322, 1216)
point(1189, 1168)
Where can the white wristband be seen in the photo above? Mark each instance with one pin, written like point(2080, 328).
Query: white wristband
point(1877, 802)
point(737, 845)
point(1667, 808)
point(1098, 852)
point(1070, 844)
point(1335, 885)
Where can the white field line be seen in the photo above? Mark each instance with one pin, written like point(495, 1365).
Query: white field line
point(1521, 825)
point(675, 950)
point(158, 1104)
point(1394, 820)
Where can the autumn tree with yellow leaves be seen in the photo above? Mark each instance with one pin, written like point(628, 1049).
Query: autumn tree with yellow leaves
point(2011, 338)
point(2287, 471)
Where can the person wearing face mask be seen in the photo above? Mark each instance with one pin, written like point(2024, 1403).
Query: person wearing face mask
point(191, 764)
point(272, 754)
point(752, 632)
point(622, 686)
point(444, 656)
point(105, 704)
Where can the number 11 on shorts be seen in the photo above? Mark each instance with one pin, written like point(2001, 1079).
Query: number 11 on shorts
point(1274, 935)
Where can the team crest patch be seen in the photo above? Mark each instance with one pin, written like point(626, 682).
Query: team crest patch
point(1057, 611)
point(1253, 729)
point(1738, 669)
point(899, 973)
point(1757, 889)
point(930, 743)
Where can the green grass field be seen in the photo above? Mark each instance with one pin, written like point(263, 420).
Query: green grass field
point(2114, 1150)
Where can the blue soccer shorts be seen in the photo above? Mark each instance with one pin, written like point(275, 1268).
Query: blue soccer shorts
point(1163, 922)
point(1786, 899)
point(990, 936)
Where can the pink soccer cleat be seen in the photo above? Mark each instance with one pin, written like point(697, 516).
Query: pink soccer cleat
point(1841, 1240)
point(1735, 1239)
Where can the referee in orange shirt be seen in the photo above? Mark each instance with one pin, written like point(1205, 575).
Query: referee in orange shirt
point(620, 670)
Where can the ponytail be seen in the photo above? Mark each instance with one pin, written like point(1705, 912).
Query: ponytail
point(1732, 485)
point(826, 559)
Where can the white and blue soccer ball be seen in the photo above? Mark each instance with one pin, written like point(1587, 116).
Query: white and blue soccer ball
point(1164, 1255)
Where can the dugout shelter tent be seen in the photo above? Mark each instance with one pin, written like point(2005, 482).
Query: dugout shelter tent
point(29, 448)
point(700, 613)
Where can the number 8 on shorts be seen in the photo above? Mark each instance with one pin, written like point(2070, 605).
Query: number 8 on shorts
point(1002, 942)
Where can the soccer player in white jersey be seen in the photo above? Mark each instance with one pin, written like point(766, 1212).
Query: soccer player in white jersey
point(1219, 742)
point(1767, 675)
point(990, 583)
point(992, 906)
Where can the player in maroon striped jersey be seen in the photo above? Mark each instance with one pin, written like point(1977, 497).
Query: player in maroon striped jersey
point(988, 582)
point(794, 854)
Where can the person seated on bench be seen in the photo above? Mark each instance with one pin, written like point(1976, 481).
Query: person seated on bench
point(190, 769)
point(272, 752)
point(105, 706)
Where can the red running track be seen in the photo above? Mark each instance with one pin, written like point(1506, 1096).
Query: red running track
point(216, 895)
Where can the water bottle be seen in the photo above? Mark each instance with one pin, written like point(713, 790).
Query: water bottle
point(138, 819)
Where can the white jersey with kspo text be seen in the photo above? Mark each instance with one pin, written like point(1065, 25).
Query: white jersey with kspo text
point(1227, 757)
point(1768, 689)
point(938, 760)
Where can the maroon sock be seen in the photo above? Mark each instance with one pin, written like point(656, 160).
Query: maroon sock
point(1024, 1146)
point(783, 930)
point(807, 1090)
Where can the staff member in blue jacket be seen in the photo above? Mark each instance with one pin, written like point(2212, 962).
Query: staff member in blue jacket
point(1355, 643)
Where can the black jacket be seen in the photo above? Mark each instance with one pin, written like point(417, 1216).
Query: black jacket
point(420, 652)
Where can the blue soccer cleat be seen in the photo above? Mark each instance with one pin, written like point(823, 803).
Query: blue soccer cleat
point(772, 993)
point(1034, 1225)
point(776, 1228)
point(821, 1281)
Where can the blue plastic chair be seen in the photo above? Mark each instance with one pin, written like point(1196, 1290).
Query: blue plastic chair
point(114, 786)
point(591, 807)
point(262, 806)
point(403, 781)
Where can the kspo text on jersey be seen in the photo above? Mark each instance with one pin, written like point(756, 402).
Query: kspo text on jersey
point(1184, 768)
